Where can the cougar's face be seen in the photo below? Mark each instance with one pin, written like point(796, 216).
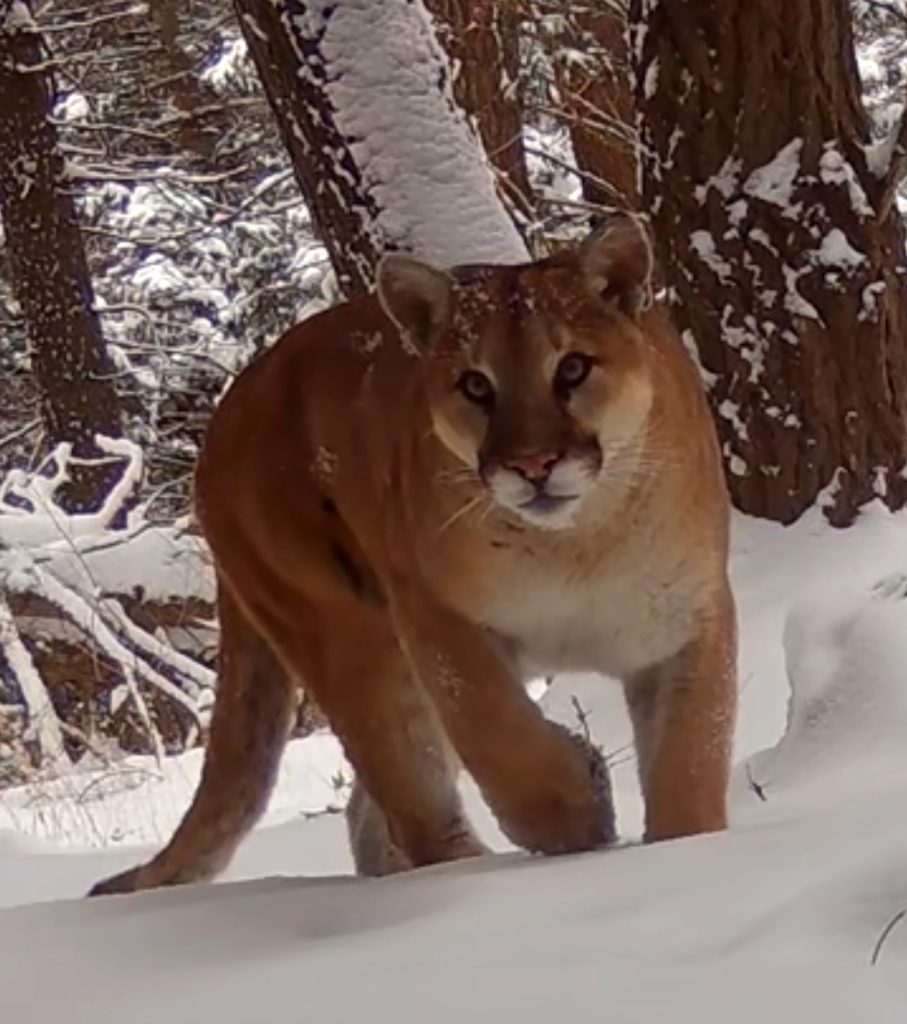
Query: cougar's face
point(535, 386)
point(537, 376)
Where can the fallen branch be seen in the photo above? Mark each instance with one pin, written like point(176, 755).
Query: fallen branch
point(201, 679)
point(131, 666)
point(42, 716)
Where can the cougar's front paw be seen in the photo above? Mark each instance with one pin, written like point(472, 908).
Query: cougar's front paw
point(566, 804)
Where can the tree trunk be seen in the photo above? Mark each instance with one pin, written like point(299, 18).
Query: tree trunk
point(481, 38)
point(591, 67)
point(383, 157)
point(784, 254)
point(47, 262)
point(178, 74)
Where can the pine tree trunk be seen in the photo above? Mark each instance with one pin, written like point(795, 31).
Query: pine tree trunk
point(383, 157)
point(292, 74)
point(591, 67)
point(481, 38)
point(779, 241)
point(48, 268)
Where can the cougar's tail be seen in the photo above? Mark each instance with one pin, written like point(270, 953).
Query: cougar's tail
point(253, 712)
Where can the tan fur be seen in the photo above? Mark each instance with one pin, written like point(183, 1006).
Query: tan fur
point(369, 527)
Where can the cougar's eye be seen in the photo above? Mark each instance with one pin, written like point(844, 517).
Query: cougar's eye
point(477, 388)
point(572, 370)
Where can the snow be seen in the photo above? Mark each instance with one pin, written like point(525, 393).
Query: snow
point(724, 181)
point(747, 339)
point(419, 159)
point(79, 551)
point(23, 495)
point(777, 919)
point(794, 300)
point(650, 79)
point(880, 154)
point(834, 169)
point(140, 801)
point(702, 243)
point(730, 411)
point(836, 251)
point(708, 378)
point(774, 181)
point(872, 294)
point(18, 17)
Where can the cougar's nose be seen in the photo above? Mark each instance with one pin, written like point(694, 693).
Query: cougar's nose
point(536, 466)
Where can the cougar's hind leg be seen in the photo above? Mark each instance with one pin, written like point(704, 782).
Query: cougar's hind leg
point(253, 712)
point(405, 809)
point(374, 850)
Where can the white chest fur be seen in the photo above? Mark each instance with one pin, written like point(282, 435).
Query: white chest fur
point(633, 611)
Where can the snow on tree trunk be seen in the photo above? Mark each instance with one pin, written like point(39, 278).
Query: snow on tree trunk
point(47, 264)
point(385, 159)
point(481, 38)
point(785, 262)
point(591, 67)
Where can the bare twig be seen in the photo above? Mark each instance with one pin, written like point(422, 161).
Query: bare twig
point(582, 717)
point(19, 432)
point(886, 932)
point(71, 26)
point(890, 9)
point(756, 787)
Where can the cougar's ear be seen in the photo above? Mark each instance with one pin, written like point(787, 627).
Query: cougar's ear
point(616, 263)
point(416, 296)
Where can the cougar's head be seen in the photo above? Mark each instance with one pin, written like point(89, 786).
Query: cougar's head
point(536, 375)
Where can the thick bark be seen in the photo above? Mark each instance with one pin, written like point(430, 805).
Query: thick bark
point(481, 37)
point(591, 67)
point(48, 268)
point(786, 269)
point(383, 157)
point(292, 72)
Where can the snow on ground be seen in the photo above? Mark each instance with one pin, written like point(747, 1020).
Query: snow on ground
point(776, 919)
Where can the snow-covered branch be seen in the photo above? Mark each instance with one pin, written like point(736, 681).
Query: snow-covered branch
point(43, 722)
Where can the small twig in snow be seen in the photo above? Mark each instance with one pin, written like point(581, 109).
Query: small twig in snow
point(582, 717)
point(756, 787)
point(74, 733)
point(883, 938)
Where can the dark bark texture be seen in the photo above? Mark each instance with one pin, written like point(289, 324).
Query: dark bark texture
point(48, 268)
point(784, 258)
point(292, 71)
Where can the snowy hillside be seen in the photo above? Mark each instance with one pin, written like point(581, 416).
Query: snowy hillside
point(776, 920)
